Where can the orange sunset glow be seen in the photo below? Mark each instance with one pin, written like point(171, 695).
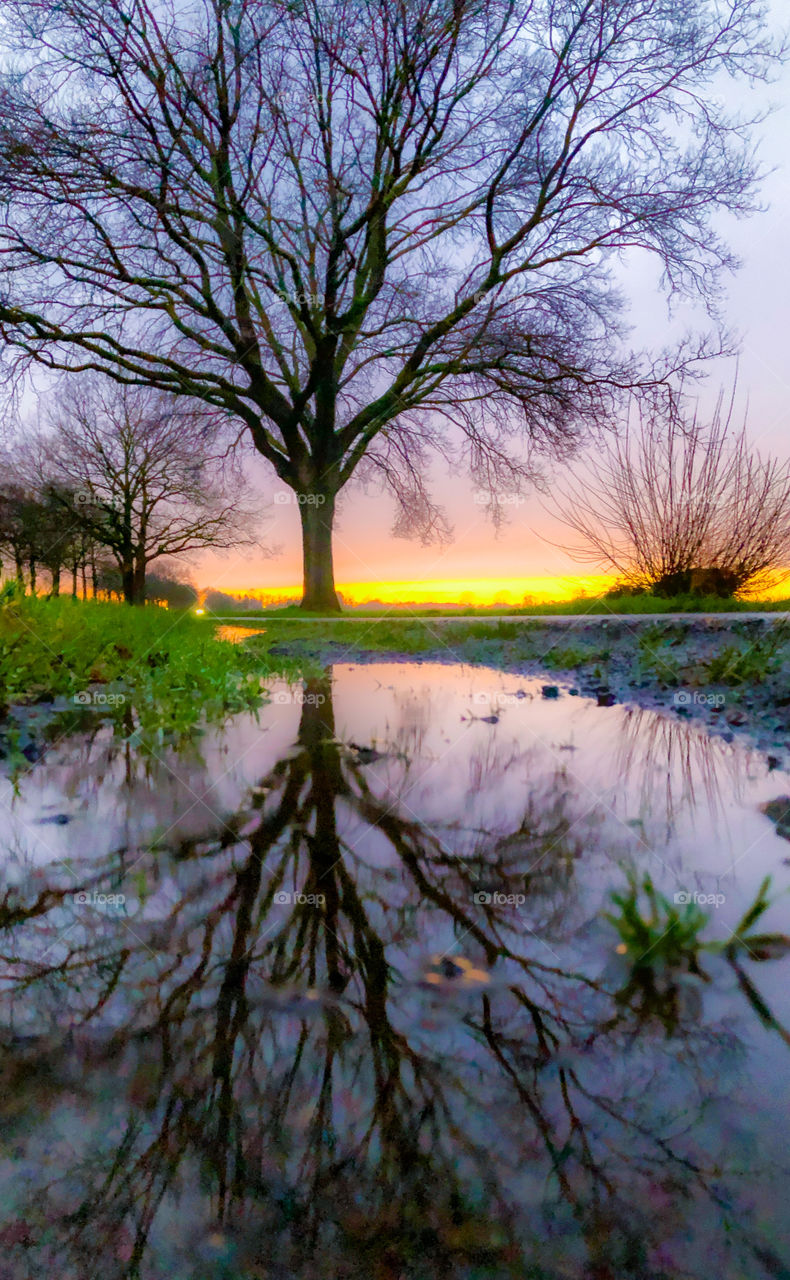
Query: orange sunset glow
point(471, 591)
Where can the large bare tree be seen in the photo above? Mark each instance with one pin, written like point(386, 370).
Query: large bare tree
point(146, 475)
point(365, 226)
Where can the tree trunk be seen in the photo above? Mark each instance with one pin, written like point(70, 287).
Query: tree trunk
point(127, 581)
point(319, 595)
point(139, 582)
point(20, 568)
point(55, 582)
point(133, 579)
point(32, 567)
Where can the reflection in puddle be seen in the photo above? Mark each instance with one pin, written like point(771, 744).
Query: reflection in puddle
point(331, 996)
point(235, 634)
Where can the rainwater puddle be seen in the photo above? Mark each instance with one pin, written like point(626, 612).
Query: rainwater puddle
point(331, 994)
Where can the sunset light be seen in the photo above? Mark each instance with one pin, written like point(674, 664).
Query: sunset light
point(464, 592)
point(395, 639)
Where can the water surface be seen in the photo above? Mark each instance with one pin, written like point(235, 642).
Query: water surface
point(330, 994)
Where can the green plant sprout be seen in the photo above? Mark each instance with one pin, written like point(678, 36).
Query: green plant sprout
point(659, 935)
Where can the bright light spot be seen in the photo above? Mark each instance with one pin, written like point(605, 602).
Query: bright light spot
point(200, 611)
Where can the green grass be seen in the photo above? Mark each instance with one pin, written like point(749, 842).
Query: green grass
point(664, 654)
point(656, 934)
point(168, 667)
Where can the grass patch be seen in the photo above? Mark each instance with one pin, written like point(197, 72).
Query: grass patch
point(166, 670)
point(465, 641)
point(657, 934)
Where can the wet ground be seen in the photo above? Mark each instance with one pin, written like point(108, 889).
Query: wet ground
point(331, 994)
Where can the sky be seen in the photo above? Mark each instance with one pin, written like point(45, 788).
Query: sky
point(523, 558)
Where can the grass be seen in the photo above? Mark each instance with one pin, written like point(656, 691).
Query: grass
point(173, 671)
point(165, 670)
point(655, 933)
point(659, 935)
point(744, 658)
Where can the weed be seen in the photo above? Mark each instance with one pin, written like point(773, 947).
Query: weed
point(654, 932)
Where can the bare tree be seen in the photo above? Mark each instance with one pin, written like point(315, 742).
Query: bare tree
point(369, 229)
point(144, 474)
point(674, 507)
point(15, 525)
point(32, 524)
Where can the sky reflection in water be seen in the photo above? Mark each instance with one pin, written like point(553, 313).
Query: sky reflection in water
point(357, 1014)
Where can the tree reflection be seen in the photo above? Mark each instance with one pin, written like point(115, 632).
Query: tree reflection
point(678, 765)
point(277, 1088)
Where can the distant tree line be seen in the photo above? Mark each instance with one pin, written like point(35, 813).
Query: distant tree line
point(41, 544)
point(216, 601)
point(113, 479)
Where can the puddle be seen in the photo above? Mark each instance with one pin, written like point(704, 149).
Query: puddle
point(331, 995)
point(235, 634)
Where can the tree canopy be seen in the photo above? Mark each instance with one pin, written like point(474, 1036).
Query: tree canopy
point(352, 224)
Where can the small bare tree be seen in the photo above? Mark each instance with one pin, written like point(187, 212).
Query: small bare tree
point(147, 476)
point(682, 507)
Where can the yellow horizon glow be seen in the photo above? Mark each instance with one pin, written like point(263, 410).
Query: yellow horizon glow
point(465, 591)
point(472, 592)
